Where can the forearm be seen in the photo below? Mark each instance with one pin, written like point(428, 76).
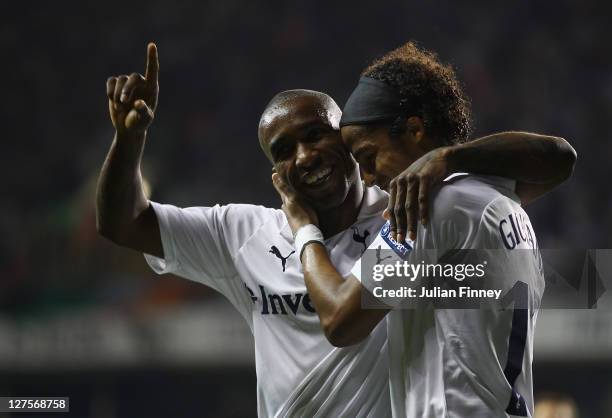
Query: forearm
point(337, 300)
point(120, 198)
point(323, 282)
point(526, 157)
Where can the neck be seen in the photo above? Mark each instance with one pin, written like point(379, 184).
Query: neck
point(338, 219)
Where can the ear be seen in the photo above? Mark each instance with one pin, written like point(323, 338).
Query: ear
point(415, 128)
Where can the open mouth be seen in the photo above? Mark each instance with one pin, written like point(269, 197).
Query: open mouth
point(317, 177)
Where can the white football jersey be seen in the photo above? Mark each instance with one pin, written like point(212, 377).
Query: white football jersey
point(247, 253)
point(461, 363)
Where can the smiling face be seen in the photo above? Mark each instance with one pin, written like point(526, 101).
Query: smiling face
point(300, 136)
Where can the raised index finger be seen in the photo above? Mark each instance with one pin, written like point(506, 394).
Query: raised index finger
point(152, 69)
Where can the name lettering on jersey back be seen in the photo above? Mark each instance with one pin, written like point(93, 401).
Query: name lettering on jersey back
point(275, 304)
point(515, 229)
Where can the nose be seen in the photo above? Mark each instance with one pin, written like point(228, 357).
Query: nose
point(307, 157)
point(368, 178)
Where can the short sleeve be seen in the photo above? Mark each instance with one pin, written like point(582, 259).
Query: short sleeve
point(201, 243)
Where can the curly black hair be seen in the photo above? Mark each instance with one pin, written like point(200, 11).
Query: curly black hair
point(429, 89)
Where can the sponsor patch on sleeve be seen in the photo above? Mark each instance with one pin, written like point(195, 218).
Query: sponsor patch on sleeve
point(401, 249)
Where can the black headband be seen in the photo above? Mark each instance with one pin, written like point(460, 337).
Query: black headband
point(372, 101)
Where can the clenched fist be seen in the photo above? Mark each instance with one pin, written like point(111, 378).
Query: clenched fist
point(132, 99)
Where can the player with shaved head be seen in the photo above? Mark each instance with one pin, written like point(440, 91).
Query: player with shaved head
point(246, 252)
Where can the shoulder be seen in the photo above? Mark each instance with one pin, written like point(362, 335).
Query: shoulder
point(467, 197)
point(239, 219)
point(253, 213)
point(246, 219)
point(459, 206)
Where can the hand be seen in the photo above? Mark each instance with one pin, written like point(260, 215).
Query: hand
point(298, 214)
point(409, 192)
point(132, 100)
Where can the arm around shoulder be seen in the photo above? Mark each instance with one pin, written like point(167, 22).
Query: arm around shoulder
point(538, 163)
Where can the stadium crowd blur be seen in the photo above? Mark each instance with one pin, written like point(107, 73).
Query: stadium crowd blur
point(527, 66)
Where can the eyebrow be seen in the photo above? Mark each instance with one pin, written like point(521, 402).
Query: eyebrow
point(361, 149)
point(360, 134)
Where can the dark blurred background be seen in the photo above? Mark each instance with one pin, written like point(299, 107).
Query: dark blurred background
point(82, 318)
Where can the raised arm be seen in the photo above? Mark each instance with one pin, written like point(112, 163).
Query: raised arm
point(123, 214)
point(337, 300)
point(539, 163)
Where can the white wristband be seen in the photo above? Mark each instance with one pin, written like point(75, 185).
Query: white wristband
point(305, 235)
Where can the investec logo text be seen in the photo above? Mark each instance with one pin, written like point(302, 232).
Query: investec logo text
point(275, 304)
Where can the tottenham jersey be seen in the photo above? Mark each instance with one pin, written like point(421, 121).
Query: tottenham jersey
point(467, 362)
point(247, 253)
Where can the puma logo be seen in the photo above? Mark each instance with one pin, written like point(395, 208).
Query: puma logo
point(278, 254)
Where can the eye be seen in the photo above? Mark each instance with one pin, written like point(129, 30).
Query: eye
point(282, 152)
point(367, 160)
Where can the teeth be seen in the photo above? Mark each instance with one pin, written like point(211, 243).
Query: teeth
point(317, 176)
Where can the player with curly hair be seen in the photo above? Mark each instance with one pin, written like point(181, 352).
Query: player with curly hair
point(408, 110)
point(428, 85)
point(416, 93)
